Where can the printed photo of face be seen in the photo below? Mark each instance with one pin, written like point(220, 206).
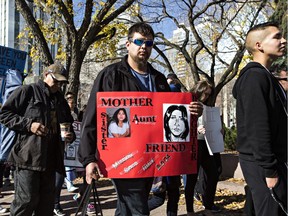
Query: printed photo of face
point(119, 124)
point(176, 123)
point(121, 116)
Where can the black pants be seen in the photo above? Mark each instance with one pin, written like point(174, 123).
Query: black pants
point(4, 172)
point(248, 207)
point(191, 180)
point(210, 169)
point(59, 180)
point(264, 204)
point(34, 193)
point(2, 168)
point(173, 193)
point(132, 196)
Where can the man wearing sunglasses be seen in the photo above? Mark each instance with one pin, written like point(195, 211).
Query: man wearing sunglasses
point(133, 73)
point(34, 112)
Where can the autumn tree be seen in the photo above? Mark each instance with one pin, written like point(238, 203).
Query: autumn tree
point(72, 28)
point(280, 15)
point(210, 36)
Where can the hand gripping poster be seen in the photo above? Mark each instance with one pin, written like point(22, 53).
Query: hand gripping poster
point(146, 134)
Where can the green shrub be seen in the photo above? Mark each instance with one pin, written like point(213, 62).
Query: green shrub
point(230, 138)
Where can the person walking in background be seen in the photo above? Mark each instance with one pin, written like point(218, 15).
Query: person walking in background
point(261, 114)
point(35, 112)
point(209, 164)
point(174, 82)
point(72, 104)
point(70, 171)
point(133, 73)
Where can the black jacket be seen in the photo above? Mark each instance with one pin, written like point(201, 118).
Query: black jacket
point(261, 118)
point(116, 77)
point(27, 104)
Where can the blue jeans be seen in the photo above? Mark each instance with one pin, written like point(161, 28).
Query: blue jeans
point(132, 196)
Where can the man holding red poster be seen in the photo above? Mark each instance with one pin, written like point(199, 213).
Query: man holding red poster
point(132, 74)
point(145, 134)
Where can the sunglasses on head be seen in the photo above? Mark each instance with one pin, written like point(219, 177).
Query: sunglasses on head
point(140, 42)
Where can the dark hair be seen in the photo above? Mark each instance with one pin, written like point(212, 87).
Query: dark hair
point(172, 76)
point(263, 26)
point(115, 119)
point(200, 88)
point(260, 27)
point(142, 28)
point(167, 117)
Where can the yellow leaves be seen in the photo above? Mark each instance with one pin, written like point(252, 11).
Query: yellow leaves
point(229, 199)
point(101, 3)
point(107, 47)
point(21, 34)
point(246, 58)
point(181, 199)
point(50, 3)
point(230, 202)
point(34, 53)
point(50, 32)
point(236, 180)
point(61, 55)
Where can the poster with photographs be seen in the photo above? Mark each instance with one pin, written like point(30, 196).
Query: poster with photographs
point(71, 149)
point(145, 134)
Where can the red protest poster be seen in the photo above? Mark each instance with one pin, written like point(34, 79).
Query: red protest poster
point(145, 134)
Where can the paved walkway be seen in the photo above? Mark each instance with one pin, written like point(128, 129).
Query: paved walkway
point(108, 199)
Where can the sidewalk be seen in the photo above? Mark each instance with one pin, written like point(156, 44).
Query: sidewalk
point(108, 199)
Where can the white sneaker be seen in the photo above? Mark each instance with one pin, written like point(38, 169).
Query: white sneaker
point(3, 210)
point(59, 212)
point(72, 189)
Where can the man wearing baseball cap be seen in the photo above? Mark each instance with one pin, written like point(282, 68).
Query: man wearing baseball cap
point(34, 112)
point(58, 72)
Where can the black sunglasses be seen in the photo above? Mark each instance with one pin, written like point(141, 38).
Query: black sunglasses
point(282, 79)
point(140, 42)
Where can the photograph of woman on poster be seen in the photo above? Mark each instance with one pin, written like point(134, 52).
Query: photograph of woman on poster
point(119, 126)
point(176, 126)
point(70, 152)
